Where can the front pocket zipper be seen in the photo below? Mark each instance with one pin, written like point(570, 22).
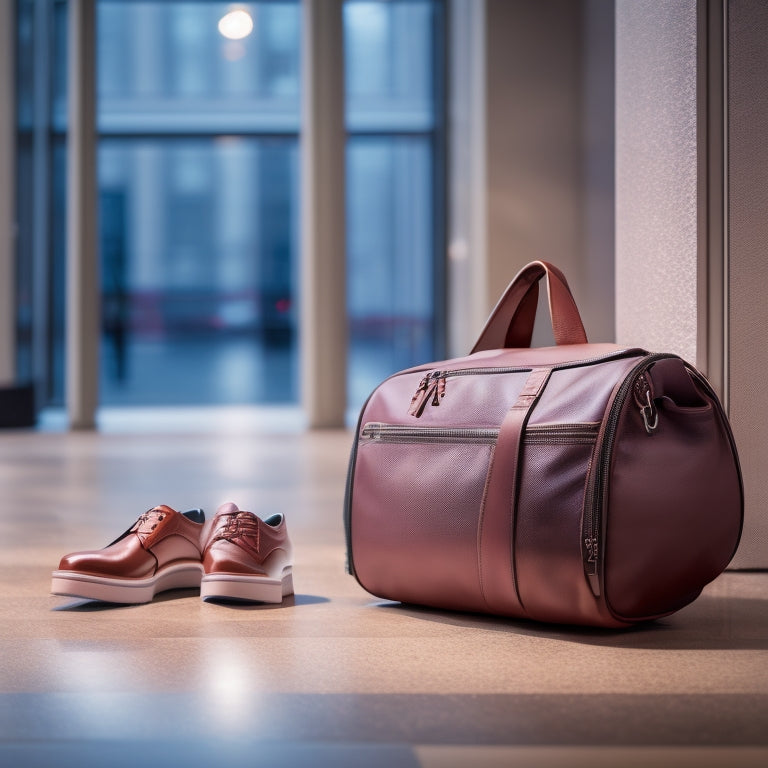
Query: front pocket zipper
point(535, 434)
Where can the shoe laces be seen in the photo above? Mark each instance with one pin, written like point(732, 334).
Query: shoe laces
point(149, 520)
point(238, 525)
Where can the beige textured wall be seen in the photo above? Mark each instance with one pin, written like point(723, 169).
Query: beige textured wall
point(531, 156)
point(596, 272)
point(549, 148)
point(748, 264)
point(532, 143)
point(656, 175)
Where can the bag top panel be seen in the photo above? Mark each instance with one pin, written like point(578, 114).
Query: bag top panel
point(472, 395)
point(533, 357)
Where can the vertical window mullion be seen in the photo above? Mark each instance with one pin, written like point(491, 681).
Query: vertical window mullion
point(396, 152)
point(7, 182)
point(82, 289)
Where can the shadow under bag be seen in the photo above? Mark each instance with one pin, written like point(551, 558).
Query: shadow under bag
point(583, 483)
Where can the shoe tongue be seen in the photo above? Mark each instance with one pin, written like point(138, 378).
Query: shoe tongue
point(227, 508)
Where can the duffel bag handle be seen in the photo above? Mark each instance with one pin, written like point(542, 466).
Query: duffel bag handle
point(511, 322)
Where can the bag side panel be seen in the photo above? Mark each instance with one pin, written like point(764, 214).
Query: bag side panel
point(674, 506)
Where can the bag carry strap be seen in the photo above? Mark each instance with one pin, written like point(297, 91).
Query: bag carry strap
point(511, 322)
point(498, 519)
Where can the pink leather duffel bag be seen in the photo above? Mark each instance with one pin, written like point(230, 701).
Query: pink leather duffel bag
point(582, 483)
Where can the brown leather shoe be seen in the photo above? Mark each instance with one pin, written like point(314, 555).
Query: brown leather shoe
point(247, 558)
point(162, 550)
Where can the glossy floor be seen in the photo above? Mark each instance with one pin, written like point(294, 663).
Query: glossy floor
point(334, 677)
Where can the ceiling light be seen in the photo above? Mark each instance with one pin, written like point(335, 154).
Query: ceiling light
point(236, 25)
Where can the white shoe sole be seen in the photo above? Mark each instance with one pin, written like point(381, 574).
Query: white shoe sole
point(90, 587)
point(255, 589)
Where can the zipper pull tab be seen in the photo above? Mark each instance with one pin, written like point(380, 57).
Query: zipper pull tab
point(439, 389)
point(432, 385)
point(590, 564)
point(644, 401)
point(419, 399)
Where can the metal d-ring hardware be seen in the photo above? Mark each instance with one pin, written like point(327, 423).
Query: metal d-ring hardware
point(650, 414)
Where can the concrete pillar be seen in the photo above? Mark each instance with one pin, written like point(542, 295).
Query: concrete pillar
point(323, 322)
point(657, 175)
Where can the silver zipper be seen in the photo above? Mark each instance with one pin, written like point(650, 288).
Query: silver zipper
point(592, 521)
point(565, 434)
point(433, 385)
point(535, 434)
point(394, 433)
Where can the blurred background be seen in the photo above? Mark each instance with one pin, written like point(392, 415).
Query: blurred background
point(198, 194)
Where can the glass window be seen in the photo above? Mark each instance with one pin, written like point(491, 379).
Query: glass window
point(198, 194)
point(25, 122)
point(394, 208)
point(390, 77)
point(40, 195)
point(198, 252)
point(390, 246)
point(164, 66)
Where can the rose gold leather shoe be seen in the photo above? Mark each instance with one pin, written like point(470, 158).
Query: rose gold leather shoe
point(247, 558)
point(162, 550)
